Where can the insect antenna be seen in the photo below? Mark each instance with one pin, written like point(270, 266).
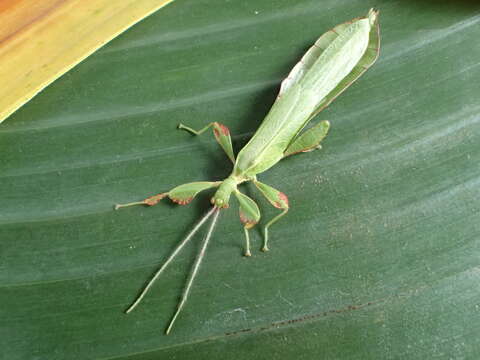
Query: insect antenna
point(170, 258)
point(195, 268)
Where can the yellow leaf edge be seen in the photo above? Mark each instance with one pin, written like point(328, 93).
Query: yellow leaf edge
point(59, 38)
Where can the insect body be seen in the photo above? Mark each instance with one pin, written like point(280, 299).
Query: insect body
point(330, 66)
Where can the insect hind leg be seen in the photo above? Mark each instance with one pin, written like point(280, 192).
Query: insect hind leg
point(278, 200)
point(309, 140)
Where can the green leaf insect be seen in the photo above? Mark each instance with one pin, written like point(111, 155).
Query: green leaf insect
point(332, 64)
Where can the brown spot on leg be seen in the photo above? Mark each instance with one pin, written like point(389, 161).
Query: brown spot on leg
point(154, 200)
point(182, 201)
point(224, 129)
point(247, 222)
point(283, 198)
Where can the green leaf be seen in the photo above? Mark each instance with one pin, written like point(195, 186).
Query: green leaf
point(377, 258)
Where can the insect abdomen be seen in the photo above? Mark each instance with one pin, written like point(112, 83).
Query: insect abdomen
point(266, 148)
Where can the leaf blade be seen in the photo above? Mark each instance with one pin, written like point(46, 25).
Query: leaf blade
point(36, 40)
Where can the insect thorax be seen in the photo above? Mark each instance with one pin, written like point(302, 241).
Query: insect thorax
point(222, 196)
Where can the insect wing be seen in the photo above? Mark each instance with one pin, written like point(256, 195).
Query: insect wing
point(335, 61)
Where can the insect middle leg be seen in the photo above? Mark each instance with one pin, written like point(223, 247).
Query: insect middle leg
point(277, 199)
point(221, 133)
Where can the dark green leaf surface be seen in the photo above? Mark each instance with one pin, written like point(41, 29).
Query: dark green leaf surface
point(377, 258)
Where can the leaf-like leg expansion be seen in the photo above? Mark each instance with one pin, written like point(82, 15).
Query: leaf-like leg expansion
point(221, 133)
point(309, 140)
point(278, 200)
point(249, 216)
point(170, 258)
point(195, 268)
point(182, 194)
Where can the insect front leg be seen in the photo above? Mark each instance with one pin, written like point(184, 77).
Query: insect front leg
point(182, 194)
point(308, 140)
point(221, 133)
point(277, 199)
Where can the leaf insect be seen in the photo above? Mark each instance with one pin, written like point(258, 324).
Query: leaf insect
point(332, 64)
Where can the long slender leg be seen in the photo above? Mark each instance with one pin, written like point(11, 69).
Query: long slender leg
point(193, 131)
point(170, 258)
point(195, 268)
point(265, 229)
point(150, 201)
point(247, 242)
point(222, 135)
point(277, 199)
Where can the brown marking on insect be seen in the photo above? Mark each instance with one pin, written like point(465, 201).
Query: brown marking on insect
point(154, 200)
point(216, 133)
point(277, 204)
point(356, 19)
point(282, 202)
point(334, 31)
point(224, 129)
point(182, 201)
point(308, 149)
point(294, 153)
point(283, 198)
point(246, 221)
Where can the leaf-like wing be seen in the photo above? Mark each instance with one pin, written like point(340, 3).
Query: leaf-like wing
point(367, 60)
point(328, 68)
